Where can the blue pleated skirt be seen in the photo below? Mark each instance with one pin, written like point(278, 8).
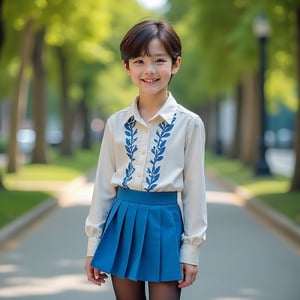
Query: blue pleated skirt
point(142, 237)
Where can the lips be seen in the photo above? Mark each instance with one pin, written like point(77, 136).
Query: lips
point(150, 80)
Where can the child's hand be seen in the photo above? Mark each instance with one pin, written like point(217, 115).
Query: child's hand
point(94, 275)
point(189, 273)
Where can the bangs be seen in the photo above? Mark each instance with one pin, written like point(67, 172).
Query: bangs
point(136, 42)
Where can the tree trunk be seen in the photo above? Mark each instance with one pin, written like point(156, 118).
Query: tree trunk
point(66, 110)
point(249, 120)
point(234, 150)
point(1, 26)
point(19, 96)
point(1, 46)
point(211, 127)
point(86, 142)
point(295, 183)
point(39, 154)
point(218, 147)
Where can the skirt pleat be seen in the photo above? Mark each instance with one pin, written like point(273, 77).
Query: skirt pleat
point(142, 237)
point(137, 243)
point(168, 237)
point(124, 247)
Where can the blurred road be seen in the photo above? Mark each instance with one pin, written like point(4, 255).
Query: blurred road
point(242, 259)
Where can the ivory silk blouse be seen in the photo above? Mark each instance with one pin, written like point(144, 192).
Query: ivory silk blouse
point(163, 154)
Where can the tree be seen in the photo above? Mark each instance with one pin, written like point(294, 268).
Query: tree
point(1, 46)
point(295, 184)
point(227, 54)
point(20, 94)
point(39, 154)
point(221, 64)
point(1, 26)
point(66, 107)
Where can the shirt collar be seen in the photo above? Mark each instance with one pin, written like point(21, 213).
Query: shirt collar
point(166, 112)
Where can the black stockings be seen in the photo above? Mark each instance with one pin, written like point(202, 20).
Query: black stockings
point(164, 290)
point(126, 289)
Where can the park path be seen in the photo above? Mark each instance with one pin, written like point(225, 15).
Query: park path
point(242, 259)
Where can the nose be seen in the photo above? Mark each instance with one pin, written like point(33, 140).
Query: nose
point(149, 68)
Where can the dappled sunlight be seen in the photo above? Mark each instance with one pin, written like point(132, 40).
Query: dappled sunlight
point(34, 286)
point(77, 196)
point(27, 185)
point(4, 269)
point(70, 263)
point(233, 298)
point(224, 198)
point(244, 294)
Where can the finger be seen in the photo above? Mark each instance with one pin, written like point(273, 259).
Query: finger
point(190, 273)
point(97, 277)
point(182, 274)
point(94, 275)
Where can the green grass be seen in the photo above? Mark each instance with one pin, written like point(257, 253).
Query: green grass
point(14, 202)
point(62, 168)
point(273, 191)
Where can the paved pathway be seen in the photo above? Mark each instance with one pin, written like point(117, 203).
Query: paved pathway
point(242, 259)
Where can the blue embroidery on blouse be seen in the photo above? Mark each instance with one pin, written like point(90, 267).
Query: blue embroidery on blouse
point(158, 150)
point(131, 148)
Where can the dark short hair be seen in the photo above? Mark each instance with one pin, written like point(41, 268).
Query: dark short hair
point(136, 40)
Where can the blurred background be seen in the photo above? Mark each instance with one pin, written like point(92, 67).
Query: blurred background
point(61, 76)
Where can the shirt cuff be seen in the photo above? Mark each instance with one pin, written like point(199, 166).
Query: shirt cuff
point(189, 254)
point(92, 246)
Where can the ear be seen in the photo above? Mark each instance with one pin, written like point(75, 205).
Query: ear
point(176, 65)
point(126, 67)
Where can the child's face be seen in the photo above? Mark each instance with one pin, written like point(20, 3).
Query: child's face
point(151, 74)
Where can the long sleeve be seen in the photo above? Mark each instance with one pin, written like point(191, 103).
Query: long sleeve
point(103, 194)
point(193, 195)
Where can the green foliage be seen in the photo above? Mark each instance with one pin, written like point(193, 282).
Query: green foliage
point(110, 88)
point(281, 88)
point(220, 47)
point(115, 89)
point(89, 32)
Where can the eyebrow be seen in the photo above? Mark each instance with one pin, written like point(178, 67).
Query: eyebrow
point(159, 54)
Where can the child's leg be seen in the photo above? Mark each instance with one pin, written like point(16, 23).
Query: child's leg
point(164, 290)
point(126, 289)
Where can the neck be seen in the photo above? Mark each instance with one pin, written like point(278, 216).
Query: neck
point(149, 105)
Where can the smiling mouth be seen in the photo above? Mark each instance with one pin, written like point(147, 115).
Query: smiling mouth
point(150, 80)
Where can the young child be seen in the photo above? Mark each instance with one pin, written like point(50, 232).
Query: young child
point(148, 214)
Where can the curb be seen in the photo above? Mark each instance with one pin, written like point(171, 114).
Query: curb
point(16, 226)
point(10, 230)
point(266, 213)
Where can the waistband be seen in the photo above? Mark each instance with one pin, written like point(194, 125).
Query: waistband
point(150, 198)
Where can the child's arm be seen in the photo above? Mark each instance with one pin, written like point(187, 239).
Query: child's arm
point(193, 195)
point(104, 192)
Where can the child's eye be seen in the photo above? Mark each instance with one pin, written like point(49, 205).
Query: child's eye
point(138, 61)
point(160, 60)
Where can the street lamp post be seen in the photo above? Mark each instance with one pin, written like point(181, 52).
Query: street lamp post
point(261, 29)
